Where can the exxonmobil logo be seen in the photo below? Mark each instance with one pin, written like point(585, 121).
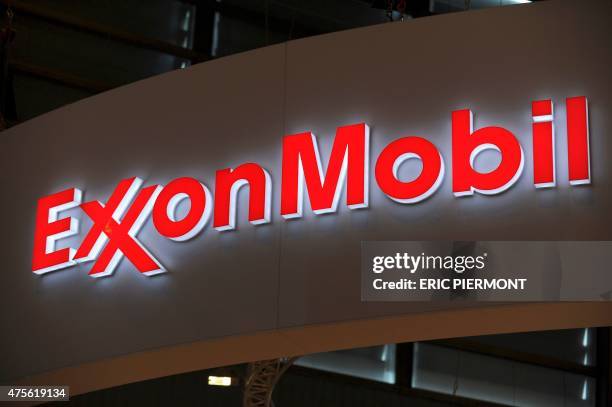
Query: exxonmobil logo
point(117, 222)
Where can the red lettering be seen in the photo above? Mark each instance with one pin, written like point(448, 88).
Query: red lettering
point(227, 185)
point(394, 155)
point(49, 229)
point(164, 210)
point(467, 144)
point(301, 164)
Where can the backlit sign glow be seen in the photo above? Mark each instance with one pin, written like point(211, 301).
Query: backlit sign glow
point(116, 223)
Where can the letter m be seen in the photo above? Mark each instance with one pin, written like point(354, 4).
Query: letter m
point(348, 162)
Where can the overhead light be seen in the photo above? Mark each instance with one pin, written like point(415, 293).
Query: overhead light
point(585, 390)
point(219, 381)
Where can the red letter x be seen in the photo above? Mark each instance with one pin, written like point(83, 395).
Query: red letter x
point(120, 235)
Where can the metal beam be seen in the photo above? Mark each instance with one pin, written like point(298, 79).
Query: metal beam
point(59, 77)
point(106, 31)
point(250, 15)
point(529, 358)
point(604, 362)
point(445, 399)
point(404, 353)
point(261, 380)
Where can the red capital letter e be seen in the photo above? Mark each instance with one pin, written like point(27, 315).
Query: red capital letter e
point(50, 229)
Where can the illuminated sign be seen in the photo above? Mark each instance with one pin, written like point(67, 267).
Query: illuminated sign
point(117, 222)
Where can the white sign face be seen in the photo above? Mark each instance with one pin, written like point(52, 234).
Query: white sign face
point(116, 223)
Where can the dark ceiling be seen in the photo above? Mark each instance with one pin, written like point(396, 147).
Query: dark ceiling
point(61, 51)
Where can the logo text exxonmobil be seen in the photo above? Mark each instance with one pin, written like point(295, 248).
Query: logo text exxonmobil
point(116, 223)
